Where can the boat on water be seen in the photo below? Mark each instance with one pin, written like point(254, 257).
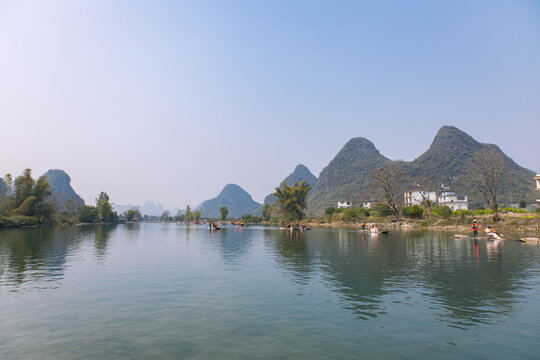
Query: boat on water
point(531, 240)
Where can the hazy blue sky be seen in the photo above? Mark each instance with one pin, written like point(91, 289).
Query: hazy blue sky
point(171, 100)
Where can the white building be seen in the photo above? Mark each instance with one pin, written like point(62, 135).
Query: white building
point(368, 204)
point(537, 178)
point(452, 200)
point(417, 197)
point(344, 205)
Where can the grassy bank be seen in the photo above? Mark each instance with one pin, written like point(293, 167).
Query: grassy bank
point(520, 223)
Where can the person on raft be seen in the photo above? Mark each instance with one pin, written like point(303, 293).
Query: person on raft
point(475, 228)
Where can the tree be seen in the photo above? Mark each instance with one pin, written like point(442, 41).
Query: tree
point(179, 216)
point(196, 215)
point(267, 212)
point(522, 204)
point(8, 186)
point(189, 214)
point(88, 214)
point(43, 211)
point(223, 212)
point(485, 171)
point(104, 207)
point(133, 215)
point(23, 187)
point(385, 184)
point(165, 216)
point(292, 200)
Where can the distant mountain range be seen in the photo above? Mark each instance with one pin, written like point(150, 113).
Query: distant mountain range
point(236, 199)
point(62, 194)
point(148, 208)
point(300, 173)
point(346, 177)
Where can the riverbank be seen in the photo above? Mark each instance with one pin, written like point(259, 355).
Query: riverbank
point(517, 223)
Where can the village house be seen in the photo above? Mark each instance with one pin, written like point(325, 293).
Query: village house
point(344, 205)
point(452, 200)
point(417, 197)
point(368, 204)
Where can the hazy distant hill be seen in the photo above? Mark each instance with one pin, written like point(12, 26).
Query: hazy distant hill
point(62, 194)
point(148, 208)
point(347, 176)
point(300, 173)
point(2, 187)
point(236, 199)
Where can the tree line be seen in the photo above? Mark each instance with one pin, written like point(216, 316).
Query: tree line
point(25, 201)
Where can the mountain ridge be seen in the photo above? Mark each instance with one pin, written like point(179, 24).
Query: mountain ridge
point(238, 201)
point(346, 177)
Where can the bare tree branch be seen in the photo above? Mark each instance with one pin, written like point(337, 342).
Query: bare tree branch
point(385, 183)
point(485, 172)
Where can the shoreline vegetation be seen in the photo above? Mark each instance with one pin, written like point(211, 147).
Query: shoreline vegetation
point(25, 202)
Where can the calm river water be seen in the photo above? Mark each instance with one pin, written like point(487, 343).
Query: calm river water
point(171, 291)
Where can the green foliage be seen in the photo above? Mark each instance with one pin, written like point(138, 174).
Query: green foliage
point(223, 212)
point(353, 214)
point(133, 215)
point(18, 221)
point(330, 210)
point(414, 212)
point(522, 204)
point(291, 200)
point(88, 214)
point(26, 208)
point(382, 210)
point(165, 216)
point(104, 207)
point(23, 187)
point(267, 212)
point(442, 211)
point(188, 214)
point(514, 210)
point(248, 218)
point(196, 215)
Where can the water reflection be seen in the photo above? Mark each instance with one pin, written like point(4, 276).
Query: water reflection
point(232, 243)
point(292, 253)
point(35, 255)
point(39, 256)
point(468, 282)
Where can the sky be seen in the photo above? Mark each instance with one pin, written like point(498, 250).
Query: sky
point(169, 101)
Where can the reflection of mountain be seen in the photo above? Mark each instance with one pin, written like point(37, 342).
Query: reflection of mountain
point(472, 294)
point(469, 282)
point(293, 253)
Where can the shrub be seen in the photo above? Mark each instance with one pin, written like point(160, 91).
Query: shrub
point(442, 211)
point(88, 214)
point(382, 209)
point(329, 210)
point(414, 212)
point(17, 221)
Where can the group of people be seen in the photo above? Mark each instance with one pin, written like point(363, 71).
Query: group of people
point(374, 228)
point(490, 232)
